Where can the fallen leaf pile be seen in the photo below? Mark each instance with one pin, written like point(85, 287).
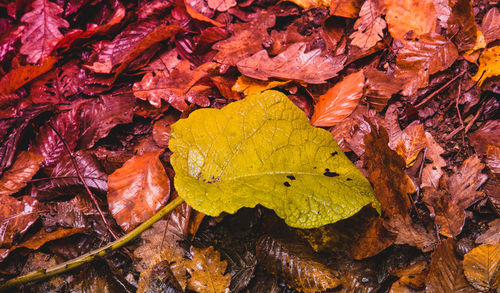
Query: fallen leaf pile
point(343, 145)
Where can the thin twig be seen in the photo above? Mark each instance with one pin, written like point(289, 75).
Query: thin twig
point(479, 111)
point(92, 196)
point(429, 97)
point(61, 178)
point(88, 257)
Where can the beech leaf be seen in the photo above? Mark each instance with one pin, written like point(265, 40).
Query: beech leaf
point(262, 150)
point(25, 166)
point(482, 267)
point(489, 64)
point(410, 15)
point(293, 63)
point(340, 101)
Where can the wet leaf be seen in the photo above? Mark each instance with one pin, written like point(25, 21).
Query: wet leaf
point(180, 85)
point(235, 157)
point(207, 271)
point(246, 39)
point(487, 134)
point(293, 63)
point(489, 64)
point(137, 190)
point(340, 101)
point(410, 278)
point(42, 32)
point(461, 25)
point(41, 237)
point(492, 235)
point(445, 270)
point(16, 216)
point(490, 27)
point(369, 26)
point(250, 86)
point(418, 59)
point(404, 16)
point(379, 88)
point(25, 166)
point(294, 263)
point(482, 267)
point(493, 160)
point(411, 142)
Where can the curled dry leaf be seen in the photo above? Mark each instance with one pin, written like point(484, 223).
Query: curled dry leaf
point(207, 271)
point(16, 216)
point(293, 262)
point(246, 39)
point(409, 15)
point(25, 166)
point(340, 101)
point(411, 142)
point(432, 171)
point(42, 32)
point(490, 27)
point(445, 270)
point(489, 64)
point(418, 59)
point(180, 85)
point(492, 235)
point(137, 190)
point(369, 26)
point(293, 63)
point(482, 267)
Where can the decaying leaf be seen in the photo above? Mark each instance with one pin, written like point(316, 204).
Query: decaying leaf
point(246, 39)
point(42, 33)
point(294, 263)
point(369, 26)
point(489, 64)
point(487, 134)
point(250, 86)
point(410, 278)
point(221, 5)
point(177, 87)
point(432, 172)
point(262, 149)
point(482, 267)
point(379, 88)
point(411, 142)
point(25, 166)
point(404, 16)
point(490, 27)
point(418, 59)
point(493, 160)
point(16, 216)
point(41, 237)
point(138, 190)
point(461, 25)
point(207, 271)
point(445, 270)
point(340, 101)
point(293, 63)
point(492, 235)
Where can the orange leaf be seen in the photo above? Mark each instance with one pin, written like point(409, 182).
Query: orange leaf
point(410, 15)
point(411, 142)
point(138, 189)
point(340, 101)
point(196, 15)
point(25, 166)
point(369, 26)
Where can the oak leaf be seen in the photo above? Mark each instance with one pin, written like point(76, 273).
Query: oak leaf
point(369, 26)
point(482, 267)
point(262, 149)
point(25, 166)
point(410, 15)
point(418, 59)
point(137, 190)
point(42, 32)
point(207, 271)
point(489, 64)
point(293, 63)
point(340, 101)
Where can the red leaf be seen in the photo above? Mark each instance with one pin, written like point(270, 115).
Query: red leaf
point(25, 166)
point(16, 216)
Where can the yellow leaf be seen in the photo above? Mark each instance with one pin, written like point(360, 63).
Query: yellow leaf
point(250, 86)
point(482, 267)
point(489, 64)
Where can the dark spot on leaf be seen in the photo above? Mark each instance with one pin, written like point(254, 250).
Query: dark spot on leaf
point(291, 177)
point(286, 184)
point(333, 154)
point(411, 276)
point(349, 179)
point(330, 174)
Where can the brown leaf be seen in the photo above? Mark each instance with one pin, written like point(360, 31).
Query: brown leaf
point(25, 166)
point(432, 172)
point(199, 10)
point(161, 129)
point(384, 165)
point(492, 189)
point(482, 267)
point(379, 88)
point(345, 8)
point(411, 142)
point(293, 262)
point(492, 235)
point(225, 86)
point(409, 15)
point(293, 63)
point(493, 160)
point(250, 86)
point(246, 39)
point(340, 101)
point(487, 134)
point(138, 190)
point(418, 59)
point(19, 76)
point(221, 5)
point(158, 278)
point(16, 216)
point(410, 278)
point(369, 26)
point(207, 271)
point(42, 33)
point(462, 25)
point(180, 85)
point(41, 237)
point(445, 270)
point(490, 27)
